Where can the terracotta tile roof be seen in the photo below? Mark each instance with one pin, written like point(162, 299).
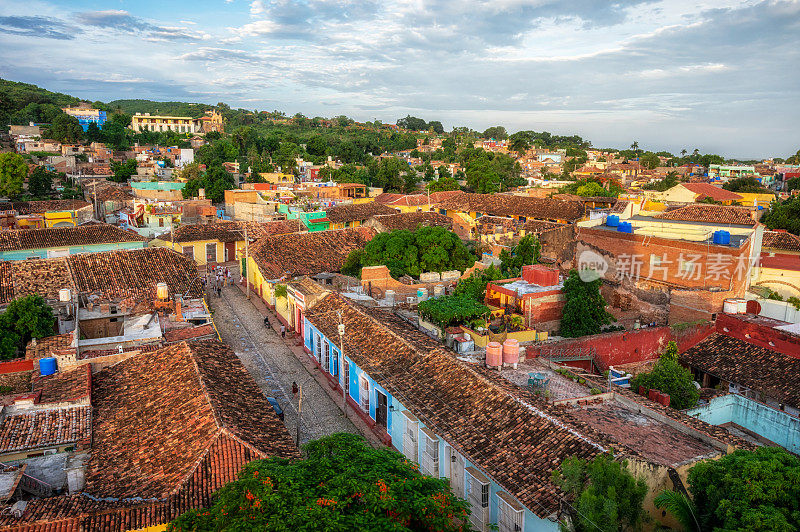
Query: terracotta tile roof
point(45, 428)
point(42, 206)
point(356, 212)
point(134, 273)
point(415, 200)
point(767, 371)
point(511, 205)
point(707, 190)
point(619, 206)
point(56, 237)
point(517, 443)
point(159, 414)
point(720, 214)
point(189, 333)
point(111, 193)
point(40, 276)
point(387, 197)
point(410, 221)
point(233, 231)
point(43, 345)
point(781, 240)
point(6, 283)
point(307, 253)
point(64, 386)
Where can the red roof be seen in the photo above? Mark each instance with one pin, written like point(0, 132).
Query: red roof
point(707, 190)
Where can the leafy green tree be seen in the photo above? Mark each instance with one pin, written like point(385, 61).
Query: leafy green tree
point(665, 183)
point(445, 311)
point(747, 490)
point(650, 160)
point(474, 286)
point(669, 377)
point(412, 123)
point(681, 507)
point(496, 132)
point(40, 182)
point(584, 309)
point(24, 318)
point(436, 126)
point(745, 184)
point(783, 215)
point(122, 172)
point(443, 184)
point(342, 484)
point(13, 171)
point(519, 142)
point(607, 497)
point(526, 252)
point(65, 128)
point(93, 133)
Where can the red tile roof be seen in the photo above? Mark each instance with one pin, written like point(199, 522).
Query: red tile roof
point(190, 333)
point(43, 206)
point(307, 253)
point(767, 371)
point(158, 416)
point(720, 214)
point(57, 237)
point(356, 212)
point(134, 273)
point(410, 221)
point(45, 428)
point(512, 205)
point(781, 240)
point(64, 386)
point(707, 190)
point(39, 276)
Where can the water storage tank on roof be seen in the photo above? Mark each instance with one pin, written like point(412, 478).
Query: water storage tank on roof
point(511, 352)
point(721, 238)
point(612, 220)
point(625, 227)
point(730, 306)
point(494, 355)
point(47, 366)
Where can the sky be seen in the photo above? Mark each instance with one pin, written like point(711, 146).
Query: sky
point(722, 76)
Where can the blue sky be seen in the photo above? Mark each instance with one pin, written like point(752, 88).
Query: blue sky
point(719, 75)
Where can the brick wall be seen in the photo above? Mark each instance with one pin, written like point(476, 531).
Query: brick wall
point(626, 347)
point(757, 334)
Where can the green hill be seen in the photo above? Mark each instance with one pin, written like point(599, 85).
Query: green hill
point(21, 103)
point(195, 110)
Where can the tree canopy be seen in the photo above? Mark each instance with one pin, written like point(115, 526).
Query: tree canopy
point(607, 497)
point(783, 215)
point(488, 172)
point(428, 249)
point(123, 171)
point(342, 484)
point(40, 182)
point(584, 310)
point(24, 318)
point(526, 252)
point(13, 172)
point(745, 184)
point(215, 180)
point(669, 377)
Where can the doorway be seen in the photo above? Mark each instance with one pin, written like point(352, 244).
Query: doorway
point(381, 410)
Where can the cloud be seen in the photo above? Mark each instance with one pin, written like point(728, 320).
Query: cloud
point(33, 26)
point(210, 54)
point(117, 19)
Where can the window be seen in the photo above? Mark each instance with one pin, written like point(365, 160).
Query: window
point(477, 495)
point(363, 394)
point(429, 462)
point(318, 345)
point(326, 351)
point(410, 448)
point(211, 252)
point(346, 380)
point(188, 251)
point(510, 516)
point(161, 222)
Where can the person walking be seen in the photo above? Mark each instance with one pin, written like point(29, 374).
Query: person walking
point(283, 330)
point(266, 322)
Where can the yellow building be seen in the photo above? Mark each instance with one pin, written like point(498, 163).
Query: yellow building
point(160, 123)
point(277, 178)
point(754, 199)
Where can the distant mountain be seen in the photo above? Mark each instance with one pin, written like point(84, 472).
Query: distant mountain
point(195, 110)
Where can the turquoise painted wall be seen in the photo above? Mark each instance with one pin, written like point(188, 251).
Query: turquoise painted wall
point(73, 250)
point(157, 185)
point(776, 426)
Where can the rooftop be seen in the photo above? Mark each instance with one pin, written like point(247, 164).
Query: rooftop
point(307, 253)
point(232, 231)
point(512, 205)
point(42, 206)
point(707, 190)
point(82, 235)
point(45, 428)
point(410, 221)
point(356, 212)
point(781, 240)
point(764, 370)
point(720, 214)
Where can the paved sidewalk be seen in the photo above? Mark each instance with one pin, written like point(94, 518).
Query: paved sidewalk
point(312, 369)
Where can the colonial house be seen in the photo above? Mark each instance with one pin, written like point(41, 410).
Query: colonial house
point(19, 244)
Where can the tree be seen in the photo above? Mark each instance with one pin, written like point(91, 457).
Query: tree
point(412, 123)
point(495, 132)
point(123, 171)
point(783, 215)
point(40, 182)
point(746, 184)
point(65, 128)
point(650, 160)
point(445, 311)
point(443, 184)
point(681, 507)
point(436, 126)
point(342, 484)
point(24, 318)
point(745, 490)
point(607, 497)
point(526, 252)
point(669, 377)
point(585, 308)
point(519, 143)
point(93, 133)
point(635, 146)
point(665, 183)
point(13, 171)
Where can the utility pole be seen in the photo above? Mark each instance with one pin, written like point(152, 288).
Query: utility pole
point(299, 413)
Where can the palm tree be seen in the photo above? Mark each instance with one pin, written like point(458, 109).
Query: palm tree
point(635, 146)
point(681, 507)
point(683, 152)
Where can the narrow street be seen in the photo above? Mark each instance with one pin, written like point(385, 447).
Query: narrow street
point(274, 367)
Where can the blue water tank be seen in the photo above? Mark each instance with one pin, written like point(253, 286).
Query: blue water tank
point(722, 238)
point(625, 227)
point(612, 220)
point(47, 366)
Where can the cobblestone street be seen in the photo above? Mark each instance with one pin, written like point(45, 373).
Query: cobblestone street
point(274, 366)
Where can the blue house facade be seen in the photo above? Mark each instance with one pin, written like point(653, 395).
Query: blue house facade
point(403, 430)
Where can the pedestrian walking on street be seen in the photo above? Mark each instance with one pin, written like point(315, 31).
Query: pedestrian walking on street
point(283, 331)
point(295, 388)
point(266, 322)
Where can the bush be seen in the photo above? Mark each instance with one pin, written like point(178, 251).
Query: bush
point(25, 318)
point(451, 310)
point(669, 377)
